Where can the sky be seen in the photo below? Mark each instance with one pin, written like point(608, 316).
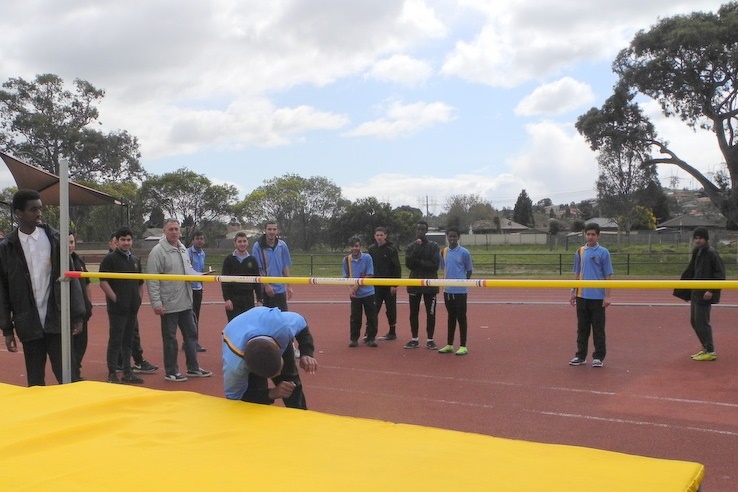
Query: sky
point(408, 101)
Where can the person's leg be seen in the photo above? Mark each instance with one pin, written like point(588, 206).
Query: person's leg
point(390, 303)
point(700, 319)
point(53, 344)
point(414, 302)
point(126, 342)
point(370, 310)
point(290, 373)
point(186, 322)
point(430, 310)
point(196, 303)
point(355, 320)
point(584, 325)
point(598, 329)
point(116, 324)
point(34, 353)
point(169, 342)
point(79, 344)
point(448, 300)
point(461, 300)
point(136, 349)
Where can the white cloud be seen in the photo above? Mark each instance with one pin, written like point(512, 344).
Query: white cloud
point(401, 69)
point(402, 120)
point(530, 40)
point(555, 98)
point(556, 163)
point(245, 122)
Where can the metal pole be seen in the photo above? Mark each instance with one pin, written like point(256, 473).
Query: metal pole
point(66, 332)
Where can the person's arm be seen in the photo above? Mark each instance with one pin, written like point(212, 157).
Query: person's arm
point(607, 300)
point(307, 349)
point(109, 292)
point(6, 322)
point(153, 265)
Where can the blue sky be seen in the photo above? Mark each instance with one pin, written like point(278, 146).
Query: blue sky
point(401, 100)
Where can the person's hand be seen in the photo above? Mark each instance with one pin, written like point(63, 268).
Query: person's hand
point(707, 296)
point(393, 290)
point(573, 299)
point(229, 305)
point(77, 328)
point(308, 364)
point(268, 290)
point(160, 310)
point(289, 292)
point(282, 390)
point(10, 343)
point(606, 302)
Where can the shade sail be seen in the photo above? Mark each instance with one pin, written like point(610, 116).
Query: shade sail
point(30, 177)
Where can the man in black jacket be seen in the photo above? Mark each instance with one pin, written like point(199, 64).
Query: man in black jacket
point(29, 262)
point(123, 299)
point(423, 258)
point(238, 296)
point(705, 264)
point(386, 265)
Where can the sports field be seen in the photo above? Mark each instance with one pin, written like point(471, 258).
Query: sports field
point(650, 399)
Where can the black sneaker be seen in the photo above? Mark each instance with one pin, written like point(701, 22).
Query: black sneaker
point(431, 345)
point(388, 336)
point(131, 379)
point(371, 343)
point(353, 343)
point(200, 348)
point(144, 368)
point(576, 361)
point(113, 378)
point(176, 378)
point(412, 344)
point(199, 373)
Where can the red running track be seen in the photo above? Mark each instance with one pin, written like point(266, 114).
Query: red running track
point(650, 399)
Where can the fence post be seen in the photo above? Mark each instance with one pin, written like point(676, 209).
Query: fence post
point(312, 271)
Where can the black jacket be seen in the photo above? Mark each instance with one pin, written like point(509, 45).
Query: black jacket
point(423, 261)
point(18, 312)
point(127, 292)
point(705, 264)
point(386, 260)
point(249, 268)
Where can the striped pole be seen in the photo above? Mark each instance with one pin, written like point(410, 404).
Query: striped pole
point(415, 282)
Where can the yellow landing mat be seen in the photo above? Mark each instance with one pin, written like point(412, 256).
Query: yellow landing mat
point(99, 436)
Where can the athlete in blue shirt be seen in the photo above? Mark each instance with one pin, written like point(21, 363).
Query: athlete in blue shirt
point(361, 265)
point(455, 262)
point(591, 262)
point(273, 257)
point(257, 346)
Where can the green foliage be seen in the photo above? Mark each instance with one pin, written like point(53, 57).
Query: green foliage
point(41, 122)
point(642, 219)
point(302, 206)
point(463, 210)
point(689, 66)
point(190, 197)
point(523, 210)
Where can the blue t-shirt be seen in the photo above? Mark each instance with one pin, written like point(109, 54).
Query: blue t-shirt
point(198, 263)
point(272, 262)
point(360, 267)
point(259, 321)
point(455, 263)
point(594, 264)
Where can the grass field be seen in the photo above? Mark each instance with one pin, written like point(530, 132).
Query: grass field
point(527, 261)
